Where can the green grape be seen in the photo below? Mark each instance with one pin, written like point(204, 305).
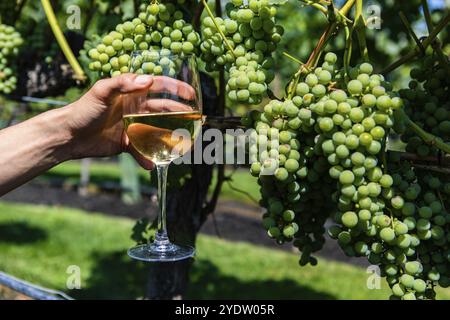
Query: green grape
point(331, 58)
point(355, 87)
point(10, 42)
point(398, 290)
point(409, 296)
point(387, 234)
point(346, 177)
point(419, 285)
point(350, 219)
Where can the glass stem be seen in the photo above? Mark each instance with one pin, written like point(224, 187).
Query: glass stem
point(161, 238)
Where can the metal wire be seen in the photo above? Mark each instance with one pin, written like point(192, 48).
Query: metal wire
point(31, 290)
point(46, 101)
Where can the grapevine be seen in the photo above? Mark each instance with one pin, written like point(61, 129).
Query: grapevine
point(336, 122)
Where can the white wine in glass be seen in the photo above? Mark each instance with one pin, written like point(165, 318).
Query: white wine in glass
point(162, 124)
point(153, 134)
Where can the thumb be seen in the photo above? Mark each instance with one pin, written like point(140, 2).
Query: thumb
point(110, 88)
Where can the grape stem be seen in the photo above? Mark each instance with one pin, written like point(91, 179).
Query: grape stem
point(318, 6)
point(61, 39)
point(425, 136)
point(333, 24)
point(346, 8)
point(348, 49)
point(360, 27)
point(441, 160)
point(433, 168)
point(417, 51)
point(436, 44)
point(426, 12)
point(211, 15)
point(293, 58)
point(222, 122)
point(383, 154)
point(411, 32)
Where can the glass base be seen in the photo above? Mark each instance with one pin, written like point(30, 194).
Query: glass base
point(168, 252)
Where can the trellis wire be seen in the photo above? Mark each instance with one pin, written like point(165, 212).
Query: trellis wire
point(31, 290)
point(45, 101)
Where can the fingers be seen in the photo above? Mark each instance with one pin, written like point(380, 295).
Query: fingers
point(143, 162)
point(172, 86)
point(107, 89)
point(162, 105)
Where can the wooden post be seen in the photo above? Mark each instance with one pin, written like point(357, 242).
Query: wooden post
point(129, 179)
point(83, 188)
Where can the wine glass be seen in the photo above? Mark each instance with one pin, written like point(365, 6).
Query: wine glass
point(162, 124)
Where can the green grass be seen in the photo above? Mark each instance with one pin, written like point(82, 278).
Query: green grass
point(104, 171)
point(99, 172)
point(39, 243)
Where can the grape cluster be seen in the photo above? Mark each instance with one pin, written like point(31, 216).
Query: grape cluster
point(295, 187)
point(428, 103)
point(322, 153)
point(158, 31)
point(251, 37)
point(10, 41)
point(421, 254)
point(351, 119)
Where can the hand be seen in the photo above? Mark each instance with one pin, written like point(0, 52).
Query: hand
point(95, 120)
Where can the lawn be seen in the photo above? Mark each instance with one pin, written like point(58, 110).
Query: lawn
point(39, 243)
point(108, 171)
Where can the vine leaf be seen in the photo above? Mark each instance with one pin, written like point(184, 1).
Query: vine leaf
point(140, 231)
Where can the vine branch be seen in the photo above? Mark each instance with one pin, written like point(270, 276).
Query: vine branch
point(317, 6)
point(411, 31)
point(333, 25)
point(426, 12)
point(427, 137)
point(417, 51)
point(59, 35)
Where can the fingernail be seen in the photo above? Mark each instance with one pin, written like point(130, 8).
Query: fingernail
point(143, 79)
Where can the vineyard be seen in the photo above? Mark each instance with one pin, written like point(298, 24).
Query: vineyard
point(349, 140)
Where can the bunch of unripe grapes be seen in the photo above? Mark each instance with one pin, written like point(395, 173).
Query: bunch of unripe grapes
point(159, 31)
point(420, 257)
point(10, 41)
point(292, 170)
point(293, 178)
point(338, 122)
point(428, 103)
point(251, 37)
point(352, 114)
